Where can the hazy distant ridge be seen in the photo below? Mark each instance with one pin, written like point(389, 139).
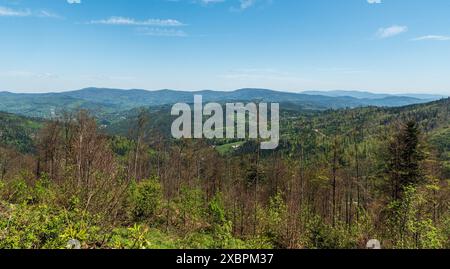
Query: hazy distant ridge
point(116, 100)
point(370, 95)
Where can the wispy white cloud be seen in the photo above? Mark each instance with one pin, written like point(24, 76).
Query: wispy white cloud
point(258, 74)
point(207, 2)
point(47, 14)
point(374, 1)
point(432, 38)
point(201, 2)
point(236, 5)
point(134, 22)
point(161, 32)
point(27, 74)
point(391, 31)
point(74, 1)
point(247, 3)
point(8, 12)
point(149, 27)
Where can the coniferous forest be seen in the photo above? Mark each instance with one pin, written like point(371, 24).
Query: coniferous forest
point(338, 179)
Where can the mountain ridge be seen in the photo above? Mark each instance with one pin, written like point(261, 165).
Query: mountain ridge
point(371, 95)
point(110, 100)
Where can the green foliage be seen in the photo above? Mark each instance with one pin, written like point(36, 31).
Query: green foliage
point(140, 237)
point(190, 207)
point(17, 132)
point(221, 227)
point(405, 159)
point(217, 211)
point(41, 227)
point(202, 240)
point(275, 219)
point(146, 199)
point(321, 235)
point(20, 191)
point(259, 242)
point(441, 142)
point(17, 191)
point(445, 227)
point(283, 199)
point(35, 221)
point(408, 228)
point(122, 146)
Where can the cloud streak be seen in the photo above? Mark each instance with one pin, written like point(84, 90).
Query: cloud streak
point(134, 22)
point(432, 38)
point(391, 31)
point(8, 12)
point(161, 32)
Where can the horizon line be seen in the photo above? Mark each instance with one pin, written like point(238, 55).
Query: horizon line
point(229, 90)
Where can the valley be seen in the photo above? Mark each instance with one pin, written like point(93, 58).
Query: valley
point(112, 176)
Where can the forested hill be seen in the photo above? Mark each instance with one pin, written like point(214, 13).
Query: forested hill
point(374, 124)
point(18, 132)
point(107, 101)
point(430, 116)
point(433, 118)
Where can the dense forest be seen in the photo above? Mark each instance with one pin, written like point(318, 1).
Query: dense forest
point(339, 178)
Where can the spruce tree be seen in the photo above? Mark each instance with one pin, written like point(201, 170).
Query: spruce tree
point(405, 157)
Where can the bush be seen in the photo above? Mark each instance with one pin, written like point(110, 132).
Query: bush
point(146, 198)
point(43, 227)
point(221, 227)
point(409, 229)
point(140, 237)
point(321, 235)
point(190, 210)
point(277, 220)
point(19, 191)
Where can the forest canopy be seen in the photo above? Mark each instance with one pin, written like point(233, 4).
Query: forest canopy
point(338, 179)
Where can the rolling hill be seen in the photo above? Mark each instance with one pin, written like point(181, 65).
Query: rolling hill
point(18, 132)
point(103, 101)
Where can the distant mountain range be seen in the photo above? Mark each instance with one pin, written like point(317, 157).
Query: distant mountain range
point(370, 95)
point(104, 100)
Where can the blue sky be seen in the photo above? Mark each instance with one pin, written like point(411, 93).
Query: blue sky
point(392, 46)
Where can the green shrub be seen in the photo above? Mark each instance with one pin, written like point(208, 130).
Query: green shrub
point(321, 235)
point(407, 229)
point(43, 227)
point(190, 210)
point(146, 198)
point(140, 237)
point(221, 227)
